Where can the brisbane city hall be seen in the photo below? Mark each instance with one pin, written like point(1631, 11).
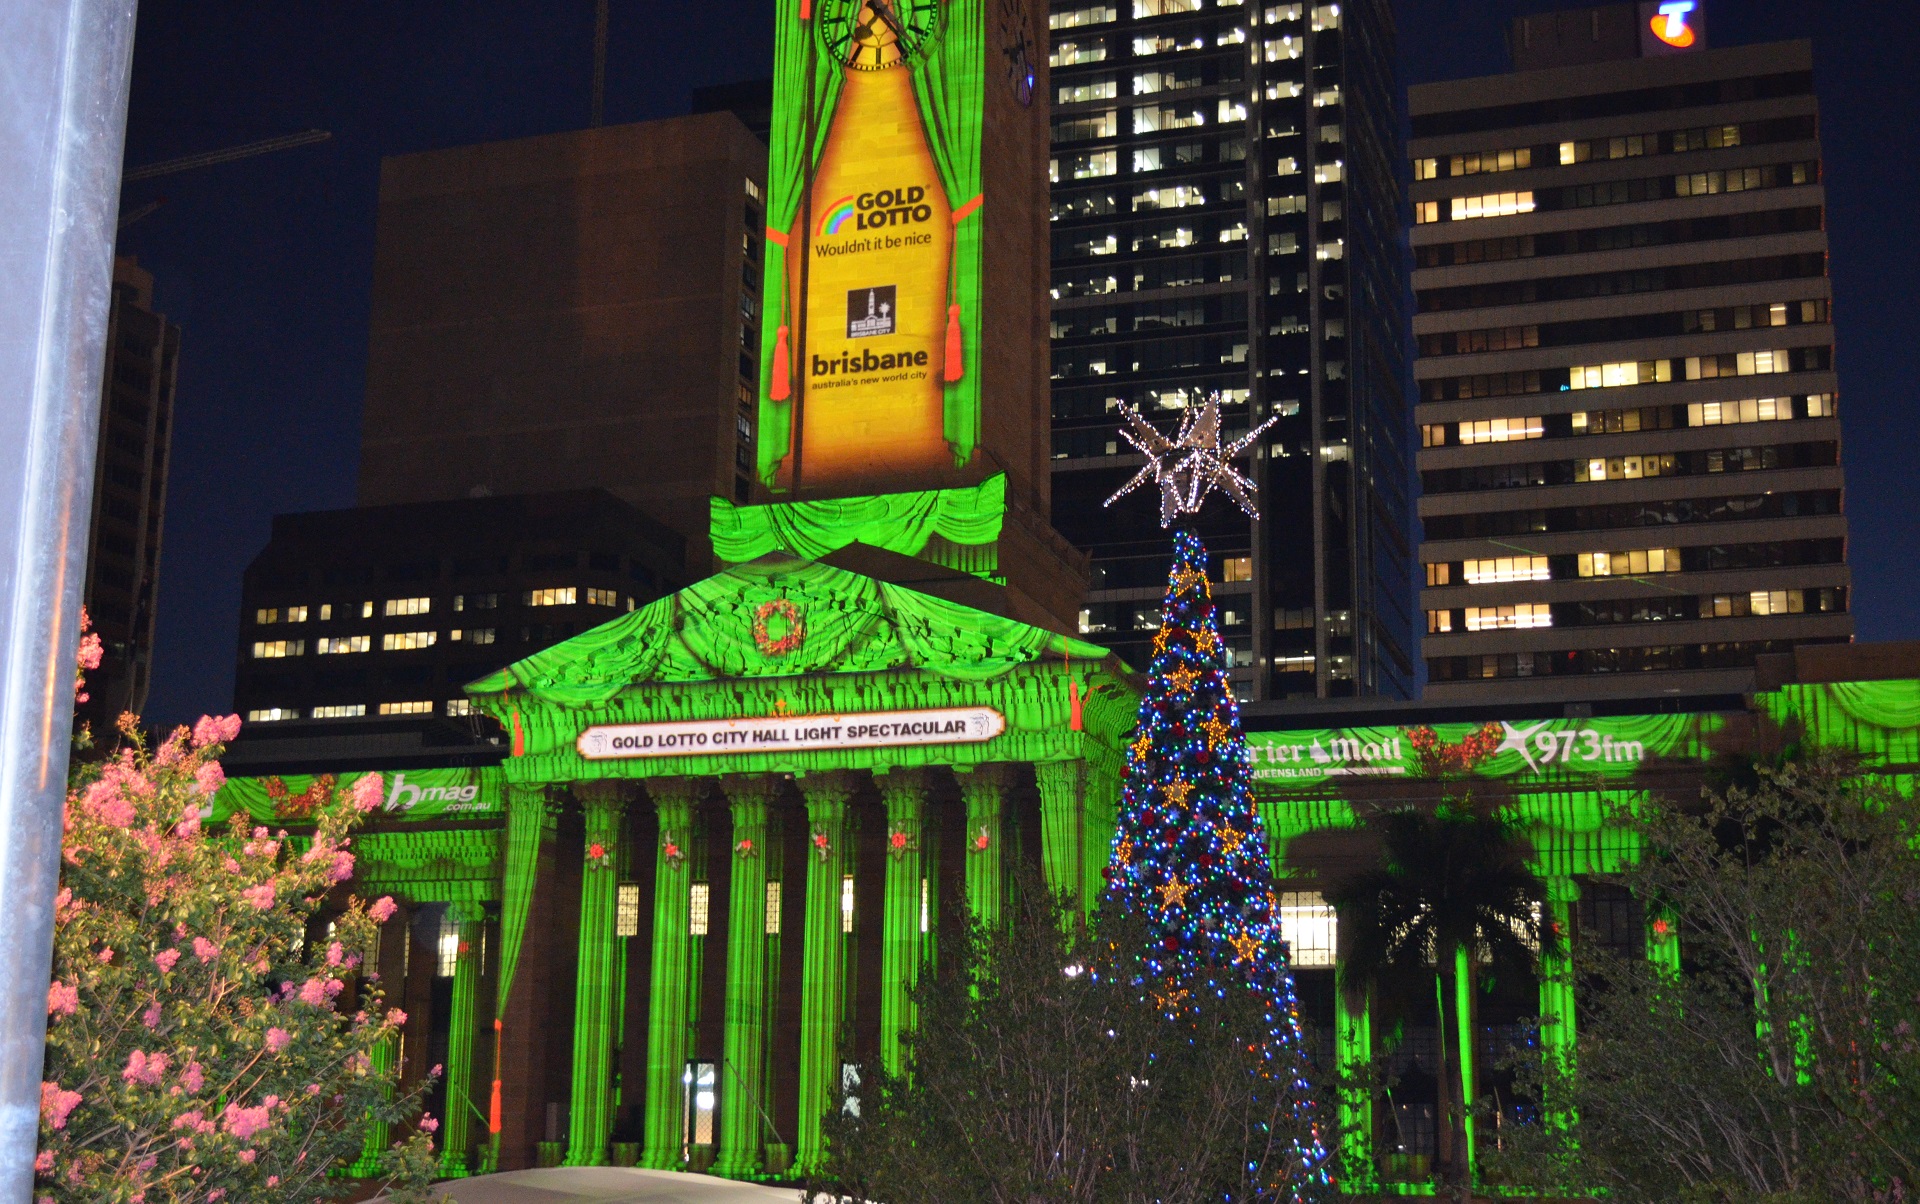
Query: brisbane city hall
point(686, 901)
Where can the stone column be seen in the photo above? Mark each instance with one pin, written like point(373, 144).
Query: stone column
point(1558, 1028)
point(1063, 786)
point(743, 1090)
point(520, 1020)
point(674, 977)
point(1353, 1023)
point(595, 1027)
point(461, 1108)
point(1100, 817)
point(389, 965)
point(984, 790)
point(905, 793)
point(823, 980)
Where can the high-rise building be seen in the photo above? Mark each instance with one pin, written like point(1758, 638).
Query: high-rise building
point(130, 494)
point(1226, 219)
point(1630, 454)
point(385, 612)
point(578, 310)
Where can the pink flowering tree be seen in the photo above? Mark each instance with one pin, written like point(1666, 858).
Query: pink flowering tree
point(211, 1028)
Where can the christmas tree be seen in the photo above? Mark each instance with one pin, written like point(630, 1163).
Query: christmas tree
point(1189, 856)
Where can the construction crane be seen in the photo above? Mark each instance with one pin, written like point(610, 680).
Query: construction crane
point(245, 150)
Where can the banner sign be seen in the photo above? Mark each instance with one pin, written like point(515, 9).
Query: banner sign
point(1608, 747)
point(790, 733)
point(411, 794)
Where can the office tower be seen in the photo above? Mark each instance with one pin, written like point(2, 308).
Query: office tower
point(579, 310)
point(130, 494)
point(1630, 455)
point(387, 611)
point(1225, 218)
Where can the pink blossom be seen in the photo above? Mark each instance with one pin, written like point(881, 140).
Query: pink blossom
point(105, 803)
point(193, 1078)
point(104, 956)
point(334, 953)
point(43, 1162)
point(396, 1017)
point(188, 826)
point(215, 731)
point(342, 868)
point(334, 987)
point(277, 1039)
point(188, 1120)
point(55, 1104)
point(145, 1068)
point(243, 1123)
point(273, 1180)
point(313, 1089)
point(166, 958)
point(247, 1156)
point(209, 778)
point(382, 909)
point(217, 1193)
point(367, 792)
point(435, 1072)
point(314, 993)
point(429, 1125)
point(259, 897)
point(63, 998)
point(61, 902)
point(151, 1017)
point(204, 949)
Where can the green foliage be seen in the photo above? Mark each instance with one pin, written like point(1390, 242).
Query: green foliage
point(199, 1046)
point(1038, 1073)
point(1783, 1062)
point(1452, 888)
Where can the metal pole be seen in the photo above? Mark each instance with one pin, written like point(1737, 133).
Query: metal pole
point(62, 124)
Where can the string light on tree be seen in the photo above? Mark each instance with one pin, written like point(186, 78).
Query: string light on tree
point(1190, 856)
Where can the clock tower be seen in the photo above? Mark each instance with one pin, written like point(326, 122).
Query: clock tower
point(904, 336)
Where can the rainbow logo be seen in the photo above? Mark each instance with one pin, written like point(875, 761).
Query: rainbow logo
point(1669, 24)
point(838, 214)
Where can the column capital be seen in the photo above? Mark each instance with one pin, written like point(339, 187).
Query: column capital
point(675, 798)
point(604, 794)
point(526, 796)
point(763, 788)
point(467, 912)
point(907, 791)
point(989, 781)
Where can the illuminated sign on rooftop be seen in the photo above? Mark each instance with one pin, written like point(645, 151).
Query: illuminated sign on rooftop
point(1668, 26)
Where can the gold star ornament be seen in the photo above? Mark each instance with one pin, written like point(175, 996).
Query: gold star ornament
point(1174, 894)
point(1230, 839)
point(1218, 732)
point(1182, 679)
point(1245, 945)
point(1178, 791)
point(1142, 747)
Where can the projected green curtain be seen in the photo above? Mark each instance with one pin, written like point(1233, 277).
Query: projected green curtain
point(897, 522)
point(793, 151)
point(527, 823)
point(949, 85)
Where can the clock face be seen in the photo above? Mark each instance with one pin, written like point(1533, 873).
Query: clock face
point(1016, 47)
point(873, 35)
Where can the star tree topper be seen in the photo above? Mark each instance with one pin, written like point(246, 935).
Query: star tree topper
point(1192, 464)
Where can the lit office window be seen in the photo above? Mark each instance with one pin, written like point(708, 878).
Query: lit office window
point(1310, 927)
point(603, 597)
point(1159, 8)
point(1084, 50)
point(458, 707)
point(273, 714)
point(407, 606)
point(1743, 363)
point(1610, 376)
point(1439, 574)
point(700, 1081)
point(406, 708)
point(698, 901)
point(1624, 468)
point(626, 909)
point(273, 649)
point(773, 908)
point(1439, 622)
point(267, 615)
point(1326, 16)
point(1426, 211)
point(1758, 602)
point(1502, 430)
point(296, 614)
point(1481, 162)
point(1236, 568)
point(448, 948)
point(925, 899)
point(1520, 616)
point(551, 597)
point(472, 635)
point(1505, 568)
point(476, 601)
point(1492, 204)
point(338, 645)
point(353, 711)
point(1096, 14)
point(1752, 409)
point(846, 903)
point(1630, 564)
point(407, 641)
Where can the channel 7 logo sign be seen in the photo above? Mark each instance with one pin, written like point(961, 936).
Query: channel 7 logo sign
point(1670, 26)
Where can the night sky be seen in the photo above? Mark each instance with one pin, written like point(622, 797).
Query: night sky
point(267, 262)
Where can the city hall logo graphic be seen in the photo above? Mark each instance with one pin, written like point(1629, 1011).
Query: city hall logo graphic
point(1669, 23)
point(876, 211)
point(870, 311)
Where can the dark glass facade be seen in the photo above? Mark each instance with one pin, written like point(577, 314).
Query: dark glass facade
point(1226, 219)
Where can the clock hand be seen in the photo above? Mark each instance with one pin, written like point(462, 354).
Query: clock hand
point(885, 12)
